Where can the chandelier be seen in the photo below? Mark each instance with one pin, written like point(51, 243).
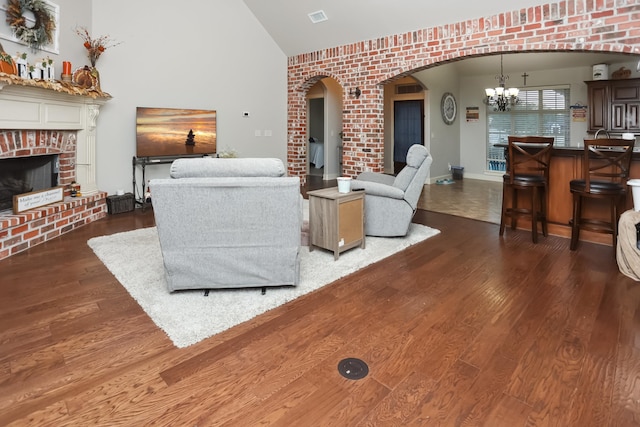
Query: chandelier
point(499, 98)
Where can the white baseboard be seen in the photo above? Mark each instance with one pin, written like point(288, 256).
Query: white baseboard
point(489, 176)
point(492, 176)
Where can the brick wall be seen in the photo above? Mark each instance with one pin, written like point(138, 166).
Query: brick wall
point(586, 25)
point(22, 231)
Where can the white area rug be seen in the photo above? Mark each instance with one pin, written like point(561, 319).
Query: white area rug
point(187, 317)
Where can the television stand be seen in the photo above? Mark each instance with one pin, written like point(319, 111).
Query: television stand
point(140, 198)
point(143, 162)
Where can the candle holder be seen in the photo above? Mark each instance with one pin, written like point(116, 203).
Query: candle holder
point(66, 71)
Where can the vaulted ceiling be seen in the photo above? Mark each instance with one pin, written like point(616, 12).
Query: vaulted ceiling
point(348, 21)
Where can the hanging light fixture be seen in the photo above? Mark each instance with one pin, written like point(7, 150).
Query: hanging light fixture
point(499, 98)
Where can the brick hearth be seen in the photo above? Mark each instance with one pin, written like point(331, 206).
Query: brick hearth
point(46, 118)
point(25, 230)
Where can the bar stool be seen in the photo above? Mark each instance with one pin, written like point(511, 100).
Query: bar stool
point(528, 159)
point(605, 169)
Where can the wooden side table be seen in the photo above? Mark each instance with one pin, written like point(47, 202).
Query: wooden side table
point(336, 220)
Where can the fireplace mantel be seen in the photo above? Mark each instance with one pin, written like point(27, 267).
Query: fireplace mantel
point(42, 105)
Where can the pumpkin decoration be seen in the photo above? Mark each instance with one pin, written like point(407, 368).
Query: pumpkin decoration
point(6, 63)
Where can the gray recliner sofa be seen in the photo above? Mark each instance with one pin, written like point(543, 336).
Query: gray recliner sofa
point(391, 201)
point(228, 223)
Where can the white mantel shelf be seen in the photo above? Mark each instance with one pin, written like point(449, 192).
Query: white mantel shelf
point(51, 85)
point(54, 105)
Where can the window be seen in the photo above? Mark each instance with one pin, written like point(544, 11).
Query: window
point(542, 111)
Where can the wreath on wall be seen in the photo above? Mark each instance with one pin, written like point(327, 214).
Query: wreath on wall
point(38, 35)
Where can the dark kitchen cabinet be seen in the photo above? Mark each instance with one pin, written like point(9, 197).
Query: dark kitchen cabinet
point(614, 105)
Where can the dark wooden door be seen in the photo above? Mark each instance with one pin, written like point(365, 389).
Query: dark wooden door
point(408, 125)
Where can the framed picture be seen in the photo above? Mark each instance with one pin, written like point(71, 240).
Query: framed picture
point(7, 33)
point(473, 114)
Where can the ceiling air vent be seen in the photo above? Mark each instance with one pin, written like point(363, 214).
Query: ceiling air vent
point(318, 16)
point(403, 89)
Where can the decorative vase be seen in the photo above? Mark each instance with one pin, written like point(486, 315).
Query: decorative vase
point(36, 73)
point(22, 67)
point(51, 72)
point(96, 78)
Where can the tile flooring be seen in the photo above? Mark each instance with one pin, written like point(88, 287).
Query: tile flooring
point(469, 198)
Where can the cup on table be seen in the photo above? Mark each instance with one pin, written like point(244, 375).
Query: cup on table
point(344, 184)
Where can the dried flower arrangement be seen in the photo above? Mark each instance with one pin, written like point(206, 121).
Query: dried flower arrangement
point(95, 47)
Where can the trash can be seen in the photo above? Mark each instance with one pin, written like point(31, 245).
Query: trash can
point(457, 172)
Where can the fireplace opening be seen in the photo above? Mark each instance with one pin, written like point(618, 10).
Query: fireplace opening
point(25, 174)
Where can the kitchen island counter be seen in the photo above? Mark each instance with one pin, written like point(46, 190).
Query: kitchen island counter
point(566, 164)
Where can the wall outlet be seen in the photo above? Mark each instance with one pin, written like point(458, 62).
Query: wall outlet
point(449, 166)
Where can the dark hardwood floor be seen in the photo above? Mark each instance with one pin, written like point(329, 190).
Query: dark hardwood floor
point(466, 328)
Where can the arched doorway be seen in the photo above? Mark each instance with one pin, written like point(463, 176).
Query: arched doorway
point(369, 65)
point(323, 129)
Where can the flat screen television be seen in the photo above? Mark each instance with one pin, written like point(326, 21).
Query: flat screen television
point(175, 132)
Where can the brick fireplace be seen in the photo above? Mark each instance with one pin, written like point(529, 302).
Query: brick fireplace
point(47, 120)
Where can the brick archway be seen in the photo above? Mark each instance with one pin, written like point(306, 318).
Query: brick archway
point(297, 120)
point(554, 27)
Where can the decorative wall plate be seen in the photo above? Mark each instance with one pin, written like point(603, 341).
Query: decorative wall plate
point(448, 108)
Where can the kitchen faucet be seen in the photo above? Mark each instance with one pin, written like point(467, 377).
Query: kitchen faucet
point(602, 130)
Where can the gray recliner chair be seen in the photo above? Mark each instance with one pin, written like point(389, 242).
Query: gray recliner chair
point(228, 223)
point(390, 202)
